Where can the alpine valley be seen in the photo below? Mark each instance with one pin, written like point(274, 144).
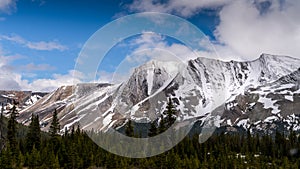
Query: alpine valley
point(262, 96)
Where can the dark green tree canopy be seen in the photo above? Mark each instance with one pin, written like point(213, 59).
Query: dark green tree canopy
point(54, 127)
point(12, 129)
point(33, 137)
point(129, 131)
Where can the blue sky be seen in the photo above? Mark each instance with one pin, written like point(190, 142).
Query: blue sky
point(67, 25)
point(40, 40)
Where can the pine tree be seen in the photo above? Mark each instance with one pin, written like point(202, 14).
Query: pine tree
point(171, 112)
point(53, 130)
point(1, 128)
point(153, 130)
point(162, 125)
point(54, 127)
point(292, 136)
point(55, 165)
point(2, 111)
point(34, 158)
point(129, 129)
point(166, 122)
point(33, 137)
point(6, 158)
point(12, 130)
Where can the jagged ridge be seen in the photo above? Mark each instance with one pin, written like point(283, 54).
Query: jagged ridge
point(197, 87)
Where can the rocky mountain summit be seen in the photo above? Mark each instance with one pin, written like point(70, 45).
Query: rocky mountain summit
point(234, 94)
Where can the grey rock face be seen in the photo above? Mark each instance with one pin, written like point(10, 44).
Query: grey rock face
point(200, 88)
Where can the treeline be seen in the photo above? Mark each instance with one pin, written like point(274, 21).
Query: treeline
point(74, 149)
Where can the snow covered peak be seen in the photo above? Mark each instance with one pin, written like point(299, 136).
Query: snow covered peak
point(276, 58)
point(196, 87)
point(170, 67)
point(275, 66)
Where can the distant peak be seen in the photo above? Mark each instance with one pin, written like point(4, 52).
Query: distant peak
point(270, 56)
point(265, 55)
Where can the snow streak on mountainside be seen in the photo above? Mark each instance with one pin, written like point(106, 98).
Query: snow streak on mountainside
point(262, 107)
point(22, 100)
point(196, 87)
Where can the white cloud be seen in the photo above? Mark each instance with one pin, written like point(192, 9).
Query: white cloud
point(248, 32)
point(42, 45)
point(7, 6)
point(112, 77)
point(8, 79)
point(46, 46)
point(36, 67)
point(153, 46)
point(148, 46)
point(56, 81)
point(11, 79)
point(246, 28)
point(185, 8)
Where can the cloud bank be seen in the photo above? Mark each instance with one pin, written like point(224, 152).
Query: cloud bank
point(12, 78)
point(246, 28)
point(249, 30)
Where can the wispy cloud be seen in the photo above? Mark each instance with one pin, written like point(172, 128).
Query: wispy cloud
point(183, 8)
point(41, 2)
point(41, 45)
point(46, 46)
point(14, 77)
point(36, 67)
point(12, 80)
point(7, 6)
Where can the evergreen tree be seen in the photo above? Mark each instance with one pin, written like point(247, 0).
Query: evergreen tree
point(34, 158)
point(54, 127)
point(1, 128)
point(171, 113)
point(53, 130)
point(6, 159)
point(292, 136)
point(2, 111)
point(12, 130)
point(162, 125)
point(166, 122)
point(33, 137)
point(129, 129)
point(153, 130)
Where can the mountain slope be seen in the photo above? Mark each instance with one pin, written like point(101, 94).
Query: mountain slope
point(197, 88)
point(258, 108)
point(22, 100)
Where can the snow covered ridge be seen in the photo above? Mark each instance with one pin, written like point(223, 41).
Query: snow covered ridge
point(22, 99)
point(260, 108)
point(201, 89)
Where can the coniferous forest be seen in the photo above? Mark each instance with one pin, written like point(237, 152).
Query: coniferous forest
point(29, 147)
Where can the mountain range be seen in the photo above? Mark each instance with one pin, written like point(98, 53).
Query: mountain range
point(261, 95)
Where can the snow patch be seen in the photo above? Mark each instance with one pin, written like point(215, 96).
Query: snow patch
point(150, 74)
point(243, 123)
point(270, 119)
point(269, 103)
point(288, 97)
